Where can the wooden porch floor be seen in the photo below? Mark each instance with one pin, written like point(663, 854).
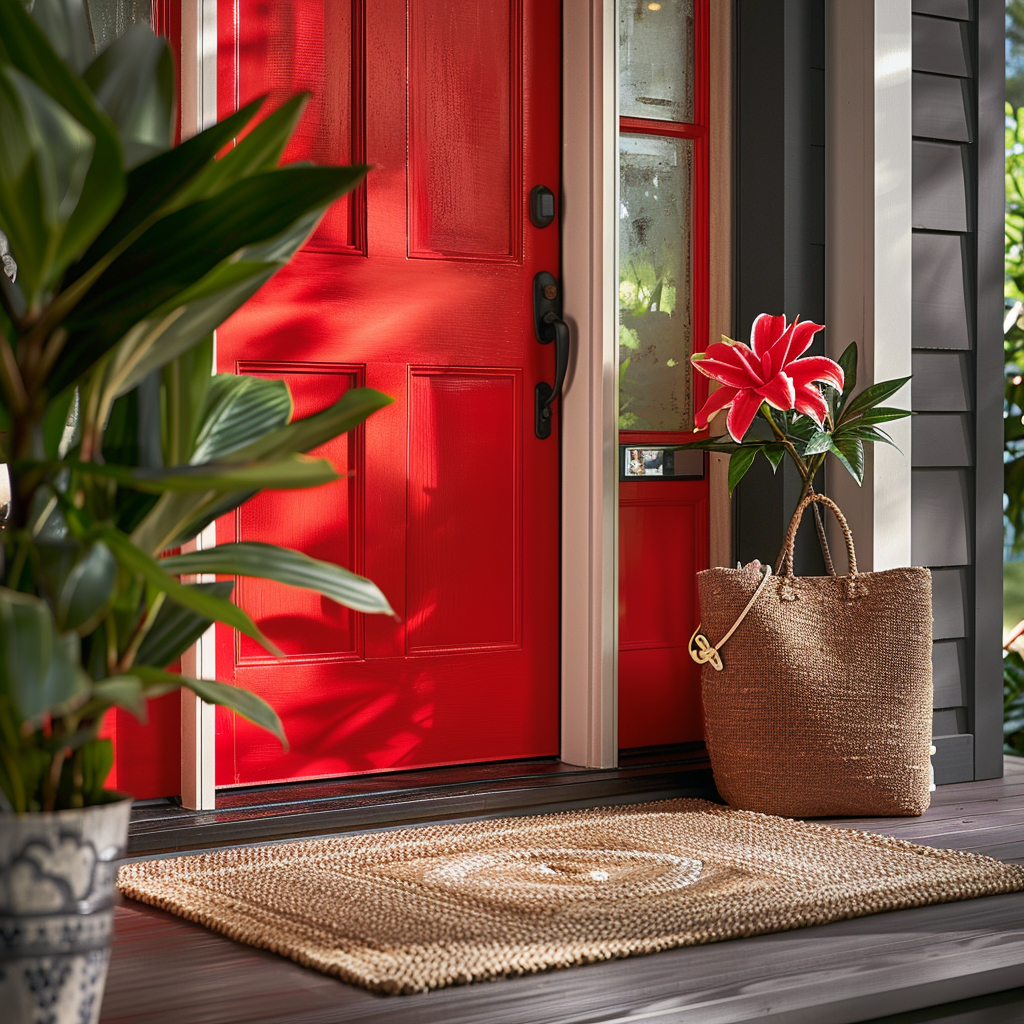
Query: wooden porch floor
point(168, 970)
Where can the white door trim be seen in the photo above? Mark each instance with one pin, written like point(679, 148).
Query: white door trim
point(868, 250)
point(198, 719)
point(589, 421)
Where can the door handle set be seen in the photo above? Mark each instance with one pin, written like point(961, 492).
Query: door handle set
point(549, 327)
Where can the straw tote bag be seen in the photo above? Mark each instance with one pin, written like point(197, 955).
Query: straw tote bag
point(818, 689)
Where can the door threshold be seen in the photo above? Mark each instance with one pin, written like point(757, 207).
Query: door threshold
point(297, 810)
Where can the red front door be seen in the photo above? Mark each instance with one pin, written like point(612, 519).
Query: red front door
point(418, 285)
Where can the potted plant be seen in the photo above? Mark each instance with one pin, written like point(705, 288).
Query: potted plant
point(791, 404)
point(120, 255)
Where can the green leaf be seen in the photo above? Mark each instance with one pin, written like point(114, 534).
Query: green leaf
point(133, 80)
point(260, 150)
point(65, 26)
point(202, 602)
point(122, 692)
point(712, 444)
point(39, 669)
point(240, 410)
point(303, 435)
point(58, 417)
point(153, 188)
point(871, 396)
point(244, 702)
point(848, 364)
point(285, 473)
point(97, 761)
point(774, 453)
point(175, 628)
point(88, 590)
point(191, 317)
point(740, 462)
point(44, 161)
point(882, 414)
point(850, 452)
point(820, 441)
point(182, 248)
point(186, 381)
point(24, 47)
point(269, 562)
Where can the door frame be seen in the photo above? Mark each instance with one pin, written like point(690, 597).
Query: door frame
point(589, 413)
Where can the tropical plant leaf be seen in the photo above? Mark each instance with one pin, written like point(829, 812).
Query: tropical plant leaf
point(288, 472)
point(186, 381)
point(133, 81)
point(25, 48)
point(66, 28)
point(269, 562)
point(740, 462)
point(712, 444)
point(39, 668)
point(820, 441)
point(259, 150)
point(202, 602)
point(244, 702)
point(44, 161)
point(122, 692)
point(240, 410)
point(848, 364)
point(153, 188)
point(881, 414)
point(88, 590)
point(774, 453)
point(182, 248)
point(303, 435)
point(175, 628)
point(872, 395)
point(850, 452)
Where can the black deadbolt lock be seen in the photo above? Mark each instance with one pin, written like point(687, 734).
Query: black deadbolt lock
point(542, 206)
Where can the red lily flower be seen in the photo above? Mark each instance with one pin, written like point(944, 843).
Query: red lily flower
point(768, 370)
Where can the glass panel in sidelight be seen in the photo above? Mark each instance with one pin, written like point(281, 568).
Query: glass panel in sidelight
point(656, 59)
point(110, 19)
point(655, 310)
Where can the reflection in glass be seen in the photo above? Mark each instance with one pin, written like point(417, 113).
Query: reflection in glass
point(655, 314)
point(656, 59)
point(109, 19)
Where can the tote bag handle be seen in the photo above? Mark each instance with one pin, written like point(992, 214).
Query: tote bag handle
point(794, 525)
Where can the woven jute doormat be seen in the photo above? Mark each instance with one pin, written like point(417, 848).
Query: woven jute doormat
point(420, 908)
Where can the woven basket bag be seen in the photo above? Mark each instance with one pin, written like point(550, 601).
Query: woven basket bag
point(819, 701)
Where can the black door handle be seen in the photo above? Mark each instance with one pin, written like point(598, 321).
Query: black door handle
point(549, 326)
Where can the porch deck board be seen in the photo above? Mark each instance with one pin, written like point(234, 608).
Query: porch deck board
point(168, 970)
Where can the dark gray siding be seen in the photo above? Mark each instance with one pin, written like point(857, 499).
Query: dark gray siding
point(957, 342)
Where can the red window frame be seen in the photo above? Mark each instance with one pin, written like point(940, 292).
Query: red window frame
point(697, 131)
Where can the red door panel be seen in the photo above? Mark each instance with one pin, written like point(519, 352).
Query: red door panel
point(419, 285)
point(663, 544)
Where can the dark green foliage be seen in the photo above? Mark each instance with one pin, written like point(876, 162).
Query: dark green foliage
point(120, 443)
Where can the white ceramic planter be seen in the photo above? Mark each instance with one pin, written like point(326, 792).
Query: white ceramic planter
point(57, 875)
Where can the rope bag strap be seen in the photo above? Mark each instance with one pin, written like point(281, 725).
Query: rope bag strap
point(703, 651)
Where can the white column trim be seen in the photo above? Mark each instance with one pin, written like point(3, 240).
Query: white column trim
point(868, 249)
point(589, 422)
point(198, 719)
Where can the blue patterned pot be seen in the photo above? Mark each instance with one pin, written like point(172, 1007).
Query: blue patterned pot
point(57, 875)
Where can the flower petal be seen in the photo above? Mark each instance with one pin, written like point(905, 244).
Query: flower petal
point(741, 413)
point(810, 402)
point(724, 364)
point(716, 402)
point(809, 368)
point(794, 343)
point(779, 392)
point(765, 331)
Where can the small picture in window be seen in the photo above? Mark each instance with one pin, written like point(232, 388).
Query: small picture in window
point(645, 462)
